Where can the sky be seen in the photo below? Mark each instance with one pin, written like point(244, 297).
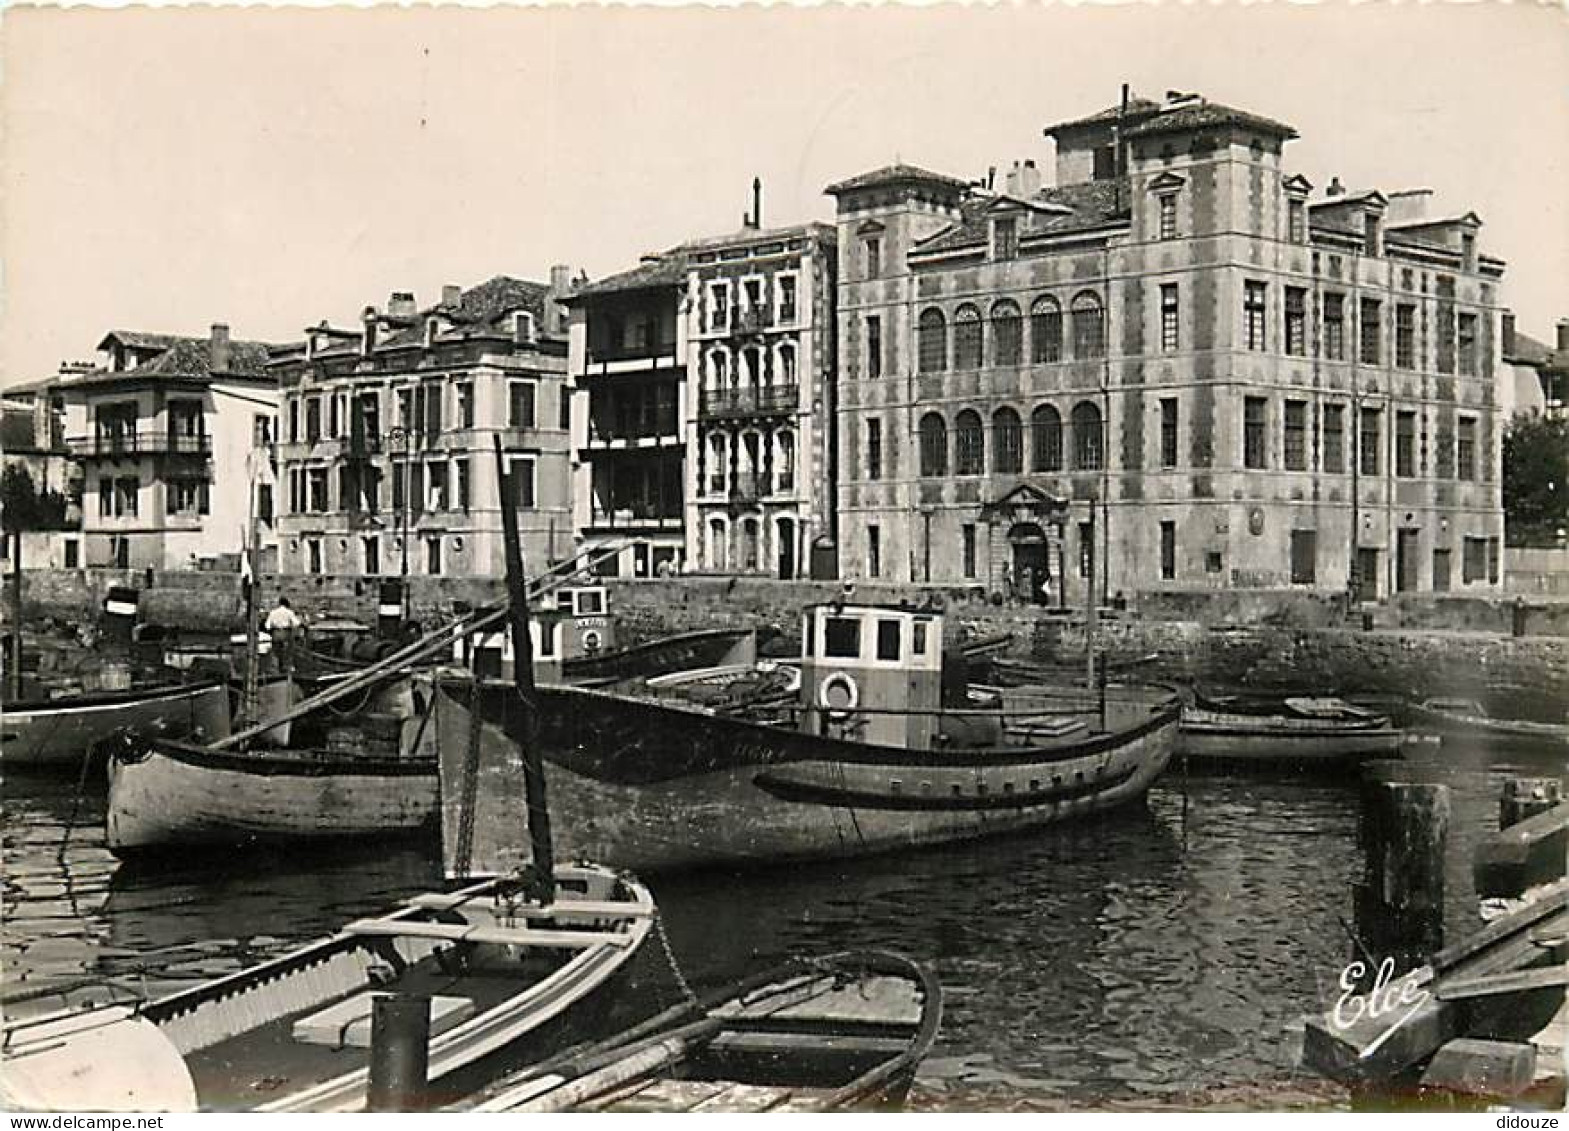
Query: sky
point(165, 169)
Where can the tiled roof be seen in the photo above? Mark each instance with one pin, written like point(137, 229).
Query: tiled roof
point(811, 230)
point(668, 270)
point(1201, 114)
point(893, 175)
point(192, 357)
point(478, 312)
point(1528, 351)
point(1093, 203)
point(137, 339)
point(1137, 108)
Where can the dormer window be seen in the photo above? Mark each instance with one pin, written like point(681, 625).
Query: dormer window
point(1168, 215)
point(1468, 251)
point(1005, 237)
point(1369, 235)
point(522, 328)
point(431, 326)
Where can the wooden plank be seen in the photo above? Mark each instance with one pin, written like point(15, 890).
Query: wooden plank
point(1369, 1050)
point(1494, 984)
point(588, 908)
point(775, 1041)
point(505, 936)
point(1554, 898)
point(1516, 951)
point(744, 1099)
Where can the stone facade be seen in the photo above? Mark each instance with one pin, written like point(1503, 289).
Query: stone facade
point(1224, 382)
point(386, 435)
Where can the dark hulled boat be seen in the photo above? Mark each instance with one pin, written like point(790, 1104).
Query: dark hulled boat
point(874, 750)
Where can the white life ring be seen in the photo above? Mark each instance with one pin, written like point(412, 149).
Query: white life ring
point(842, 686)
point(593, 641)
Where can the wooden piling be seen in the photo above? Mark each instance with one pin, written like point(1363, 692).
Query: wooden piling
point(1526, 797)
point(1400, 906)
point(399, 1052)
point(1531, 846)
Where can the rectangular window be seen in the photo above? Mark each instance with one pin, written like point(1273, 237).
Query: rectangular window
point(1465, 448)
point(1255, 433)
point(432, 410)
point(888, 635)
point(1304, 557)
point(1473, 565)
point(1168, 432)
point(1168, 551)
point(1371, 333)
point(1405, 336)
point(1441, 568)
point(433, 557)
point(264, 502)
point(371, 547)
point(874, 346)
point(313, 420)
point(1335, 327)
point(1334, 439)
point(463, 391)
point(1369, 441)
point(521, 475)
point(1296, 321)
point(841, 638)
point(1254, 311)
point(874, 449)
point(968, 532)
point(1494, 549)
point(313, 561)
point(520, 406)
point(787, 298)
point(564, 409)
point(1405, 444)
point(1468, 345)
point(316, 487)
point(294, 420)
point(436, 486)
point(1296, 436)
point(1370, 235)
point(105, 498)
point(261, 430)
point(1168, 216)
point(1169, 321)
point(1296, 220)
point(1086, 549)
point(719, 306)
point(874, 551)
point(873, 253)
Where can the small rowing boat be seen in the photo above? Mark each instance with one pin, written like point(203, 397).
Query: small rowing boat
point(507, 976)
point(58, 733)
point(1467, 717)
point(1285, 731)
point(838, 1033)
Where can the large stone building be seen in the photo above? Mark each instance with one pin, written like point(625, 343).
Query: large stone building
point(174, 456)
point(1540, 373)
point(385, 445)
point(1172, 369)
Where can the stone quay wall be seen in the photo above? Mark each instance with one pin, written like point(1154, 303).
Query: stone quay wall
point(1421, 646)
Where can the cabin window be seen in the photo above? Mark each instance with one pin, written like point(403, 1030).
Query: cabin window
point(564, 600)
point(918, 638)
point(887, 640)
point(547, 641)
point(590, 603)
point(841, 638)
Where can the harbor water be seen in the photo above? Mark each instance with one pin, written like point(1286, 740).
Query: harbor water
point(1161, 956)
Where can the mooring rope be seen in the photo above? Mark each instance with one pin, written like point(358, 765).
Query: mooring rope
point(670, 957)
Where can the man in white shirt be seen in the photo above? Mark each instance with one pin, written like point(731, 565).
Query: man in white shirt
point(284, 627)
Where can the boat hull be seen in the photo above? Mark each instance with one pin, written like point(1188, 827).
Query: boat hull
point(672, 653)
point(60, 735)
point(658, 788)
point(1513, 731)
point(179, 795)
point(1208, 736)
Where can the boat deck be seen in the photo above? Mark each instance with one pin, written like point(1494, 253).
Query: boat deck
point(267, 1063)
point(668, 1094)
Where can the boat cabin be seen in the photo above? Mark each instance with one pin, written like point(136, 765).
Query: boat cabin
point(876, 670)
point(568, 622)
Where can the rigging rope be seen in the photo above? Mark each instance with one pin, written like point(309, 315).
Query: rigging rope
point(468, 797)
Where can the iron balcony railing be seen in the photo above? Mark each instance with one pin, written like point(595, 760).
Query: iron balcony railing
point(770, 400)
point(150, 442)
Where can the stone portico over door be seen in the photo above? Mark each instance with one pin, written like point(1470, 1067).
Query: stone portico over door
point(1024, 537)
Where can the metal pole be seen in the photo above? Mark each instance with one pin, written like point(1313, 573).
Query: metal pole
point(399, 1052)
point(16, 616)
point(526, 731)
point(926, 549)
point(1091, 613)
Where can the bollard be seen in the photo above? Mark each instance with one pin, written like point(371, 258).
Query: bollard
point(399, 1052)
point(1526, 797)
point(1400, 907)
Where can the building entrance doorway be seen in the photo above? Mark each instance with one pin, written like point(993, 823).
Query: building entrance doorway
point(1030, 562)
point(786, 549)
point(1405, 560)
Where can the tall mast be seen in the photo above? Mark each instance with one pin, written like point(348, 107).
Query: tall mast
point(523, 722)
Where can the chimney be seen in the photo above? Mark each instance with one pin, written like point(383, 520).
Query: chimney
point(1506, 332)
point(401, 305)
point(1010, 181)
point(218, 348)
point(560, 288)
point(1029, 180)
point(757, 202)
point(451, 294)
point(368, 321)
point(1408, 206)
point(1335, 188)
point(991, 177)
point(1563, 333)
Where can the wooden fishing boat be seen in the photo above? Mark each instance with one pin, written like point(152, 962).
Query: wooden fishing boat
point(670, 653)
point(838, 1033)
point(368, 772)
point(872, 753)
point(1467, 717)
point(59, 733)
point(1288, 731)
point(509, 980)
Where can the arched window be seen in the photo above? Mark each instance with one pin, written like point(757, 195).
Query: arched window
point(1045, 439)
point(969, 338)
point(718, 462)
point(1045, 330)
point(718, 369)
point(1007, 333)
point(933, 345)
point(754, 369)
point(969, 443)
point(787, 374)
point(934, 444)
point(1086, 437)
point(1089, 326)
point(1008, 442)
point(784, 460)
point(718, 552)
